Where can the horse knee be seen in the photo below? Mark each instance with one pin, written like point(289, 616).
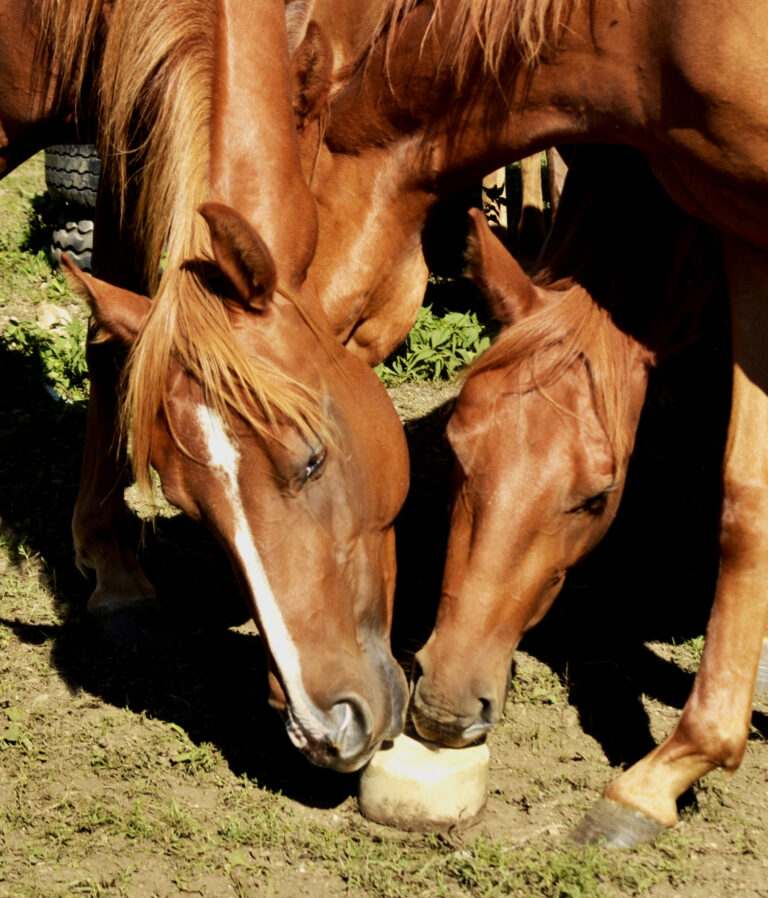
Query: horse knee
point(721, 744)
point(744, 522)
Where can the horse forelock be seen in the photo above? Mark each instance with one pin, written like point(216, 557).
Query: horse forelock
point(486, 32)
point(538, 350)
point(190, 328)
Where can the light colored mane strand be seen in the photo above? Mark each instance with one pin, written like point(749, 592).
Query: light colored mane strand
point(489, 30)
point(540, 348)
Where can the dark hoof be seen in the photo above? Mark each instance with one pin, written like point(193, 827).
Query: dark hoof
point(761, 683)
point(613, 824)
point(126, 622)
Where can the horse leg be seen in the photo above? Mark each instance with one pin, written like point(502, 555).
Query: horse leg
point(100, 521)
point(100, 524)
point(714, 725)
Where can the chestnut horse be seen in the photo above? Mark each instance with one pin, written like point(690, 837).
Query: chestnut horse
point(545, 425)
point(452, 89)
point(258, 422)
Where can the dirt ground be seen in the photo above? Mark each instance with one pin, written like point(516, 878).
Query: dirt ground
point(155, 768)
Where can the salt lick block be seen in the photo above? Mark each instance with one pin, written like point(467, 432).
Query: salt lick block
point(420, 786)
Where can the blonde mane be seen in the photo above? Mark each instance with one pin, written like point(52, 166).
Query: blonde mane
point(152, 102)
point(539, 349)
point(488, 31)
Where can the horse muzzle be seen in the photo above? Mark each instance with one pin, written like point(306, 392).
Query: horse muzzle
point(456, 721)
point(345, 738)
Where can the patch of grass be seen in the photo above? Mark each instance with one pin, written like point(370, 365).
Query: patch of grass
point(695, 648)
point(437, 348)
point(535, 683)
point(60, 352)
point(393, 867)
point(27, 216)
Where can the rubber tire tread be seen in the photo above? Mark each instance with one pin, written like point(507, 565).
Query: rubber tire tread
point(72, 173)
point(73, 235)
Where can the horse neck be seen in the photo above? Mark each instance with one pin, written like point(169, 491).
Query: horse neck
point(47, 61)
point(584, 89)
point(261, 177)
point(372, 207)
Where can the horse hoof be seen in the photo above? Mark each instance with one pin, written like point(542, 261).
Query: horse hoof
point(761, 683)
point(125, 621)
point(613, 824)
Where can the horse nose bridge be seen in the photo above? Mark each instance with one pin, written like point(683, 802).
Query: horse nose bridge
point(372, 675)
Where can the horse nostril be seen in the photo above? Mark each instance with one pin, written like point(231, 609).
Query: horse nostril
point(352, 725)
point(487, 712)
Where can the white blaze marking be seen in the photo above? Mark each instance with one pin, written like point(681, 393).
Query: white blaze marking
point(224, 460)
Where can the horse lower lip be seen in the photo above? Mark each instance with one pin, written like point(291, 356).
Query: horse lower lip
point(476, 731)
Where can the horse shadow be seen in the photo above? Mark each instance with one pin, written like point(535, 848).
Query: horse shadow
point(188, 668)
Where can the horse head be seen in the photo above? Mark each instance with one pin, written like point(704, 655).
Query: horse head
point(539, 471)
point(301, 494)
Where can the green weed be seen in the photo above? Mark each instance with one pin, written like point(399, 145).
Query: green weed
point(61, 354)
point(437, 348)
point(695, 647)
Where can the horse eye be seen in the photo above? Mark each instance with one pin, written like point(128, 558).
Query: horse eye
point(594, 506)
point(315, 465)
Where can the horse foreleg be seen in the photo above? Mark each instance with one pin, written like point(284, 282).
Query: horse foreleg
point(714, 725)
point(100, 523)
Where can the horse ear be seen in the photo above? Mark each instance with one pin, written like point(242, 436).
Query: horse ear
point(118, 313)
point(297, 13)
point(241, 255)
point(510, 292)
point(311, 70)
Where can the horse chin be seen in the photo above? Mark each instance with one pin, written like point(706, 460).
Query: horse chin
point(442, 725)
point(449, 733)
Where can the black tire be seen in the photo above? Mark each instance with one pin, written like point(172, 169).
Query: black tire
point(73, 234)
point(72, 174)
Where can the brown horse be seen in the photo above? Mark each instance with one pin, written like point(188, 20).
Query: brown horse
point(258, 422)
point(452, 89)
